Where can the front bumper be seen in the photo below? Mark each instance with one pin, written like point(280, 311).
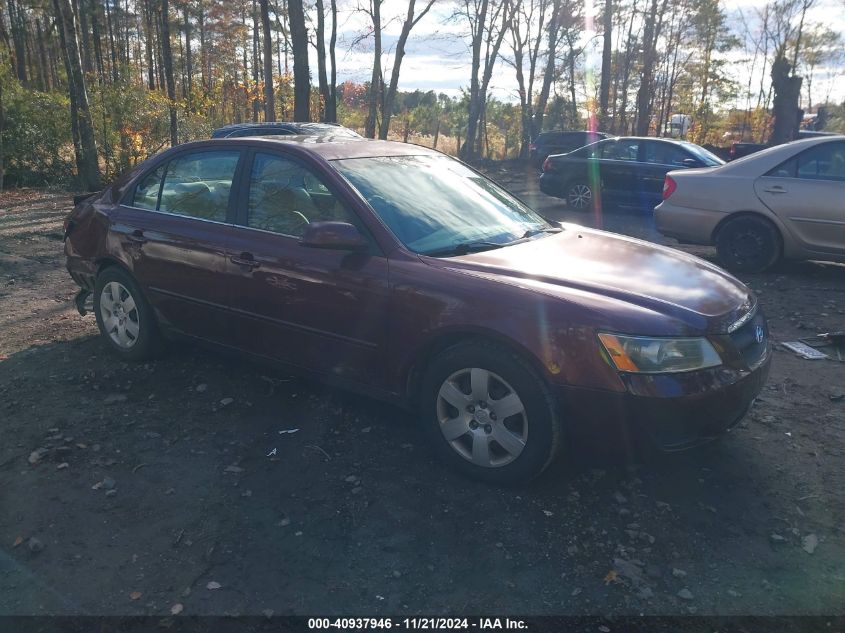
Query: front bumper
point(669, 411)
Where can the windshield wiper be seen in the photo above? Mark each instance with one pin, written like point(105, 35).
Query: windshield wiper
point(462, 248)
point(548, 229)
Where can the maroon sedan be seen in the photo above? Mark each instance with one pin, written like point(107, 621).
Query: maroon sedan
point(397, 271)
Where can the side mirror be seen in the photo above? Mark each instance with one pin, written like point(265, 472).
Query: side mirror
point(691, 162)
point(339, 236)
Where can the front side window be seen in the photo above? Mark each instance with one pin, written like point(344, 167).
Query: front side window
point(664, 154)
point(198, 185)
point(284, 197)
point(435, 202)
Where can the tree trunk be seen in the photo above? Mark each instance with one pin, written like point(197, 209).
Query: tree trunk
point(269, 88)
point(189, 58)
point(785, 110)
point(148, 46)
point(301, 75)
point(18, 28)
point(606, 63)
point(375, 79)
point(256, 102)
point(390, 96)
point(331, 106)
point(87, 60)
point(322, 78)
point(468, 150)
point(86, 149)
point(549, 73)
point(167, 58)
point(644, 92)
point(43, 64)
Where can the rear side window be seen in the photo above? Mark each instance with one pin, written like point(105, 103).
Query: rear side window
point(824, 162)
point(198, 185)
point(147, 190)
point(664, 154)
point(620, 150)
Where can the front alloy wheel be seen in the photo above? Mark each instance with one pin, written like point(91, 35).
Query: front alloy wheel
point(579, 196)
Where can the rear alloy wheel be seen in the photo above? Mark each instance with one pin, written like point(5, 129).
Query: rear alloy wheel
point(488, 414)
point(579, 196)
point(123, 315)
point(748, 244)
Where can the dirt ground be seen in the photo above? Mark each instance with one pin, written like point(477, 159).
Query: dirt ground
point(130, 488)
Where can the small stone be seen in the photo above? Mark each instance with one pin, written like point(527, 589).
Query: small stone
point(809, 543)
point(685, 594)
point(212, 584)
point(109, 483)
point(135, 595)
point(170, 491)
point(233, 469)
point(268, 613)
point(225, 402)
point(678, 573)
point(366, 429)
point(62, 466)
point(397, 573)
point(176, 609)
point(246, 493)
point(645, 593)
point(777, 538)
point(576, 591)
point(34, 545)
point(357, 490)
point(37, 455)
point(284, 522)
point(201, 388)
point(499, 544)
point(572, 550)
point(111, 493)
point(351, 479)
point(548, 513)
point(734, 594)
point(619, 497)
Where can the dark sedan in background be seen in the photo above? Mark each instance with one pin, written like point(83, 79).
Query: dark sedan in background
point(397, 271)
point(626, 170)
point(560, 142)
point(284, 128)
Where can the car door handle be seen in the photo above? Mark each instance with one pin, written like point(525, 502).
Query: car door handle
point(137, 236)
point(775, 189)
point(245, 259)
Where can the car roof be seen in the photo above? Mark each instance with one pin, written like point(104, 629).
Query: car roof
point(327, 147)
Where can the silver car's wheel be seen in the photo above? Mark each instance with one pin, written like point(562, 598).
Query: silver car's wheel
point(482, 417)
point(119, 313)
point(579, 196)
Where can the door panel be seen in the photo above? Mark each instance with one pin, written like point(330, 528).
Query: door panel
point(618, 166)
point(174, 230)
point(323, 310)
point(807, 193)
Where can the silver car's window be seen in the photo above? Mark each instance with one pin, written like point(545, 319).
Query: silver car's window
point(822, 162)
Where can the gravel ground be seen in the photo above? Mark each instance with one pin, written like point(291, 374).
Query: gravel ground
point(129, 489)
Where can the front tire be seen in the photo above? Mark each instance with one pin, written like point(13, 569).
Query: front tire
point(748, 244)
point(125, 319)
point(488, 414)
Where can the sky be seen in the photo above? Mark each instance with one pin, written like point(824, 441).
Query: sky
point(437, 55)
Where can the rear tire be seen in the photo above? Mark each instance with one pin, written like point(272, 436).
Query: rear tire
point(488, 414)
point(748, 244)
point(124, 316)
point(579, 196)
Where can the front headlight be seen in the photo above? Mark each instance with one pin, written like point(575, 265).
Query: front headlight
point(653, 355)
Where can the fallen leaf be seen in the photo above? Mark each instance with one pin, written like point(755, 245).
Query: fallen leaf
point(548, 513)
point(176, 609)
point(213, 585)
point(135, 595)
point(612, 576)
point(18, 541)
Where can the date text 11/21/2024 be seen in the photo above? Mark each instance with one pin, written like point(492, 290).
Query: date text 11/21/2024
point(418, 623)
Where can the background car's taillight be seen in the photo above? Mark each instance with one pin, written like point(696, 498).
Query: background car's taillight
point(532, 147)
point(669, 186)
point(547, 164)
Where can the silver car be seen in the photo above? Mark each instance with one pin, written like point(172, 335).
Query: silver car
point(787, 202)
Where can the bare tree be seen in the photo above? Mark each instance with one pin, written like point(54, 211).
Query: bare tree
point(269, 91)
point(301, 76)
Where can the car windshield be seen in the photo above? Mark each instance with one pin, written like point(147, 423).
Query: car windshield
point(433, 203)
point(708, 158)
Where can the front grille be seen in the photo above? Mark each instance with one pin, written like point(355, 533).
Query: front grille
point(745, 339)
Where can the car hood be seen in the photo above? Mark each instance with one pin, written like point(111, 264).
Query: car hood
point(654, 277)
